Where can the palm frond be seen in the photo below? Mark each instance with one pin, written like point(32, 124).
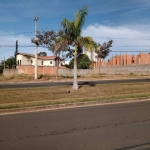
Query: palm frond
point(80, 17)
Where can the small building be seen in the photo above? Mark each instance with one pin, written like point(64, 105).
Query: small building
point(29, 59)
point(92, 55)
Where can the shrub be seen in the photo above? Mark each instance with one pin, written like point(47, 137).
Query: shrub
point(83, 62)
point(40, 76)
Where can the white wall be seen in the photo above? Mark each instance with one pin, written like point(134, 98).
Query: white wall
point(23, 60)
point(26, 61)
point(91, 54)
point(47, 62)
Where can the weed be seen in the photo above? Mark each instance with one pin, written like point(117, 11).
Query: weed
point(40, 76)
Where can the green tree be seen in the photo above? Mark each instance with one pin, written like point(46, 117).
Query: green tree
point(103, 50)
point(55, 42)
point(1, 66)
point(73, 33)
point(42, 54)
point(83, 62)
point(10, 62)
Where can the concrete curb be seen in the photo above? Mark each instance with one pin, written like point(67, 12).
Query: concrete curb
point(65, 106)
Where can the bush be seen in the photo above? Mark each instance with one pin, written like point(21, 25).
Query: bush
point(1, 69)
point(47, 76)
point(40, 76)
point(83, 62)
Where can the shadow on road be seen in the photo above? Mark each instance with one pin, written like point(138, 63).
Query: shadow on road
point(86, 83)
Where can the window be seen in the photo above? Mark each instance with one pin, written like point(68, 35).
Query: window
point(132, 61)
point(20, 62)
point(42, 63)
point(51, 62)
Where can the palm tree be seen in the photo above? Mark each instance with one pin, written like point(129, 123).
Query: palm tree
point(90, 45)
point(73, 32)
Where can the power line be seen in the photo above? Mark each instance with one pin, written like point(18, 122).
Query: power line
point(133, 46)
point(119, 38)
point(123, 46)
point(14, 33)
point(46, 46)
point(24, 46)
point(131, 51)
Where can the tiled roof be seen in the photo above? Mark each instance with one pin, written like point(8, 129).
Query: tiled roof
point(47, 57)
point(39, 57)
point(25, 54)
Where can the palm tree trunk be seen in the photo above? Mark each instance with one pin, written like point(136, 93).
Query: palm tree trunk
point(57, 65)
point(99, 66)
point(75, 82)
point(57, 69)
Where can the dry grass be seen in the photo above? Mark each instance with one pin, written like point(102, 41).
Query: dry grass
point(30, 78)
point(27, 97)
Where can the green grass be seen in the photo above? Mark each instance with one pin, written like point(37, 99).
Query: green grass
point(30, 97)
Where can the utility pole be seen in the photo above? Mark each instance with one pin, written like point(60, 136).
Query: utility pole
point(36, 46)
point(16, 52)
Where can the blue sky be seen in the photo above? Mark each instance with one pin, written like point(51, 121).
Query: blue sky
point(107, 19)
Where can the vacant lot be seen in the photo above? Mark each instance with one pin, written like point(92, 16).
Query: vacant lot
point(29, 97)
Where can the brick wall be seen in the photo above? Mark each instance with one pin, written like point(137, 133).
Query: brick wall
point(117, 69)
point(142, 58)
point(41, 69)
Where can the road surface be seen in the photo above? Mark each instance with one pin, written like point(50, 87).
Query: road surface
point(45, 84)
point(106, 127)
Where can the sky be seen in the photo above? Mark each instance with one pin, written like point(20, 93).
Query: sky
point(126, 22)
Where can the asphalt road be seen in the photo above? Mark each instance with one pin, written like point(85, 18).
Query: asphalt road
point(46, 84)
point(107, 127)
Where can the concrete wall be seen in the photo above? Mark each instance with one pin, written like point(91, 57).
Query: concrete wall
point(122, 69)
point(69, 72)
point(8, 72)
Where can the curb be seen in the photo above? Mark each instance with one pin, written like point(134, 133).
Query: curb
point(69, 105)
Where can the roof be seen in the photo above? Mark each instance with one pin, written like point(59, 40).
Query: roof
point(47, 57)
point(39, 57)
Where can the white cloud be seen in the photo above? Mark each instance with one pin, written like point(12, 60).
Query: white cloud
point(124, 37)
point(7, 45)
point(100, 33)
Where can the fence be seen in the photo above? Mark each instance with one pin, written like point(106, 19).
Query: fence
point(121, 63)
point(28, 69)
point(143, 69)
